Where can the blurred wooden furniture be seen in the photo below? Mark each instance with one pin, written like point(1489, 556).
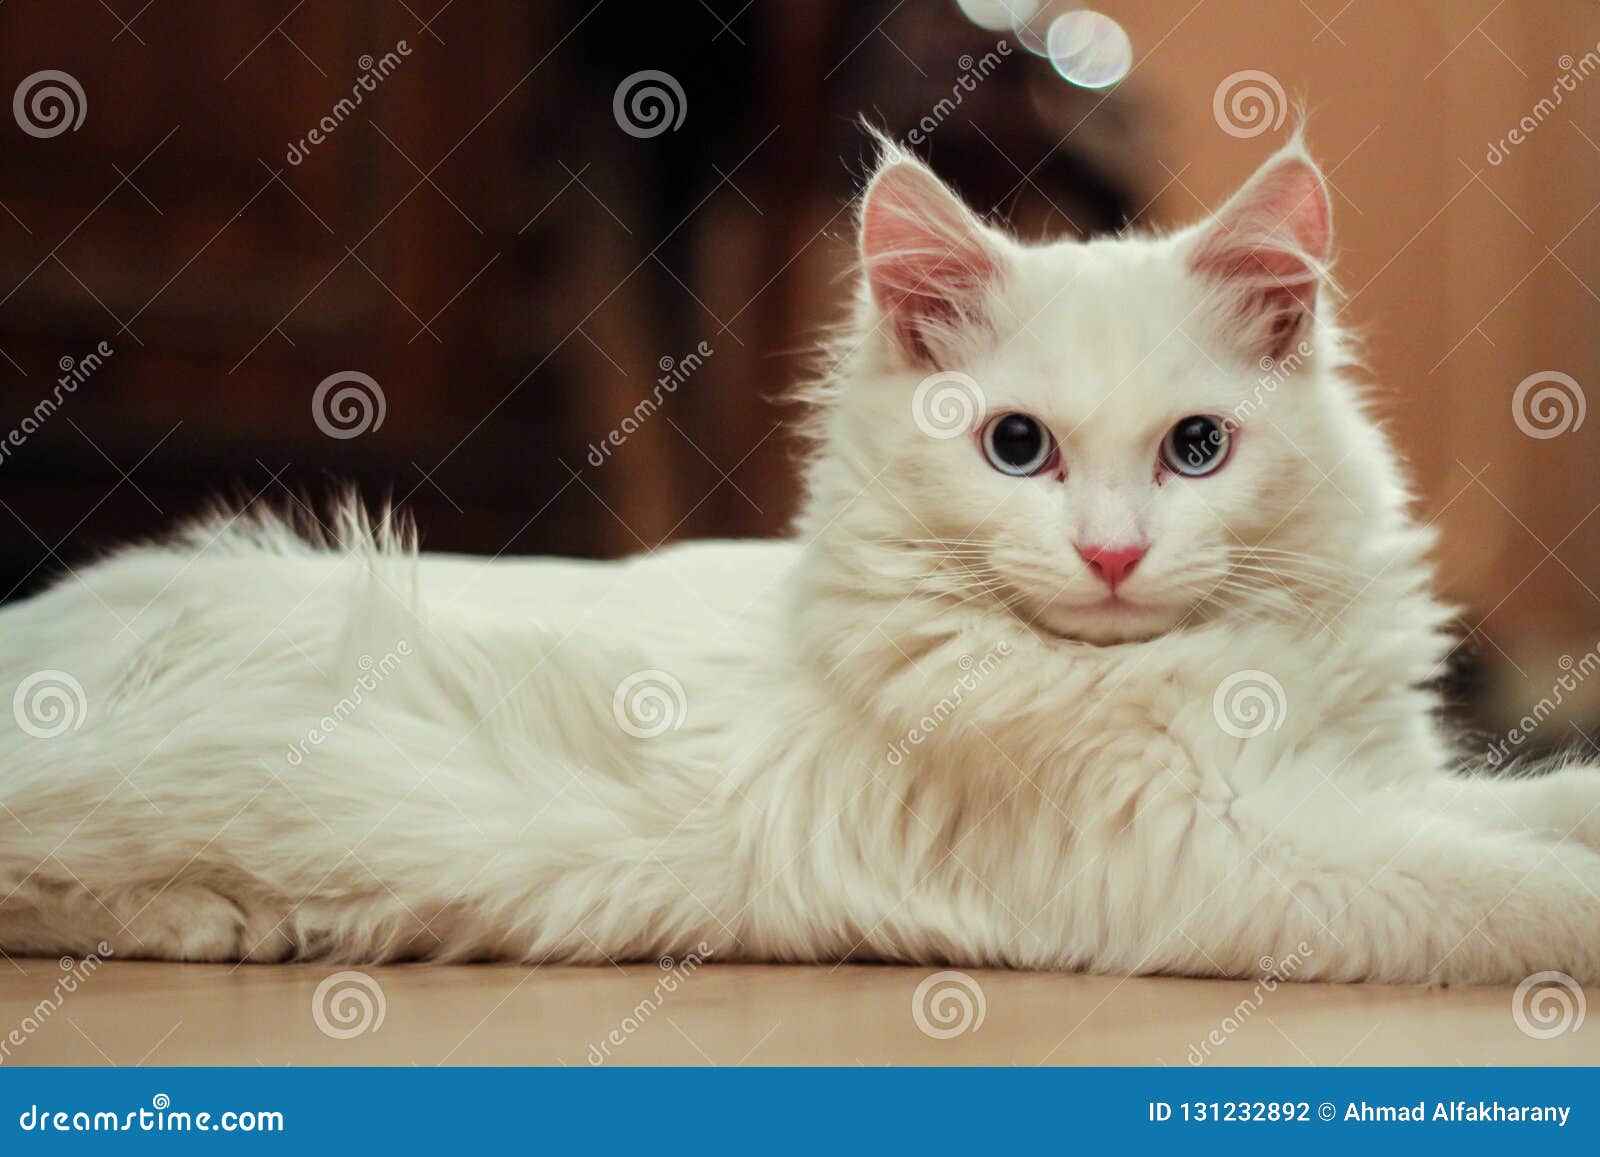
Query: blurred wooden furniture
point(479, 233)
point(229, 281)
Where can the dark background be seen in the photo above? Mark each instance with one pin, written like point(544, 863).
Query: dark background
point(478, 236)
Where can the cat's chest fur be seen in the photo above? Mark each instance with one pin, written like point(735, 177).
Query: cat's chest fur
point(920, 763)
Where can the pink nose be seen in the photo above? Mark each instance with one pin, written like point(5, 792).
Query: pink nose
point(1112, 563)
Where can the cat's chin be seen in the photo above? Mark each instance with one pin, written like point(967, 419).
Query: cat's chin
point(1108, 623)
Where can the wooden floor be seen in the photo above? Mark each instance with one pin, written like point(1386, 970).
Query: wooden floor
point(133, 1013)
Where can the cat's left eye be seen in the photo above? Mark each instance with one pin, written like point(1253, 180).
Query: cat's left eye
point(1198, 445)
point(1018, 444)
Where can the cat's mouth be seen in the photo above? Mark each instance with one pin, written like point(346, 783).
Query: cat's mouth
point(1103, 618)
point(1114, 618)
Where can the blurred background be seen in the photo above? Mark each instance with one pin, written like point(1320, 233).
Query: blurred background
point(542, 272)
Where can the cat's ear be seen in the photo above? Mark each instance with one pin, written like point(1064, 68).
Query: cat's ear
point(930, 263)
point(1265, 254)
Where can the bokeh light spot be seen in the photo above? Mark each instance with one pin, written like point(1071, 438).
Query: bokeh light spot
point(1089, 49)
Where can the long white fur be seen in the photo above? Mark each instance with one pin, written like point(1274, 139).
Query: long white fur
point(827, 790)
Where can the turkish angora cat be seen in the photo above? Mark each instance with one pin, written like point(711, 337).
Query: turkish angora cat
point(1101, 645)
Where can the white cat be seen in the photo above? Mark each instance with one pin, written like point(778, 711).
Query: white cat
point(1100, 645)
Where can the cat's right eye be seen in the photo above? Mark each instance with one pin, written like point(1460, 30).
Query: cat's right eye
point(1197, 446)
point(1018, 445)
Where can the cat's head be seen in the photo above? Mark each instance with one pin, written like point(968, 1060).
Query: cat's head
point(1106, 439)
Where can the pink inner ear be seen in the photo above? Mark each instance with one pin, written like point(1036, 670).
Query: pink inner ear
point(1266, 251)
point(928, 263)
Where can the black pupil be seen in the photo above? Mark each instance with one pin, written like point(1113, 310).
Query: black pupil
point(1017, 440)
point(1196, 441)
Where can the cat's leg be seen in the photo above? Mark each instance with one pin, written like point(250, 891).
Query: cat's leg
point(181, 922)
point(1379, 887)
point(1564, 804)
point(194, 922)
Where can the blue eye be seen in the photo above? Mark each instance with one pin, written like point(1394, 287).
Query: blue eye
point(1196, 446)
point(1018, 445)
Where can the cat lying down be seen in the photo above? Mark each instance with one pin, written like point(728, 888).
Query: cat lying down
point(1102, 643)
